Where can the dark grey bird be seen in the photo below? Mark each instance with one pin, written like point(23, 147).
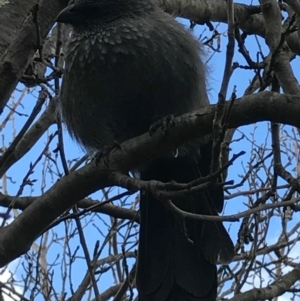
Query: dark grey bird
point(128, 65)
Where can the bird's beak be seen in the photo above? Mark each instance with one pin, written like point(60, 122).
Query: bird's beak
point(66, 15)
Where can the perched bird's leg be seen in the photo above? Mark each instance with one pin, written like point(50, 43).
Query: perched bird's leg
point(103, 153)
point(165, 123)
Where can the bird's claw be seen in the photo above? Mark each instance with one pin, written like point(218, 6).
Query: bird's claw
point(103, 154)
point(165, 123)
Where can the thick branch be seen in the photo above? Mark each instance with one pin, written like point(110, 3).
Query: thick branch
point(277, 288)
point(12, 14)
point(201, 12)
point(16, 238)
point(20, 52)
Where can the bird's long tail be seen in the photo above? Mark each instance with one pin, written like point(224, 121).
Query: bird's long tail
point(177, 259)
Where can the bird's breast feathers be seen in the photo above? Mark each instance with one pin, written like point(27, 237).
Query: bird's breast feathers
point(109, 44)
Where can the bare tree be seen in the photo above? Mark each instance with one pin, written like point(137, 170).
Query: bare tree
point(69, 227)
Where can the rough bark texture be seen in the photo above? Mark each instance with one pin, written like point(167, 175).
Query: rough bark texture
point(21, 40)
point(12, 15)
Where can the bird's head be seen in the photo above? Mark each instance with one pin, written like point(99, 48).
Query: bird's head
point(99, 12)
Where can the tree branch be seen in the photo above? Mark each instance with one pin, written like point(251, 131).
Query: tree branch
point(16, 238)
point(20, 52)
point(275, 289)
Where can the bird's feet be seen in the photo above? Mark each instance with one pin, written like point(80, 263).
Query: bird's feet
point(165, 123)
point(105, 151)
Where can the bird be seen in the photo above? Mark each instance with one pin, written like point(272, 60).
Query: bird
point(130, 65)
